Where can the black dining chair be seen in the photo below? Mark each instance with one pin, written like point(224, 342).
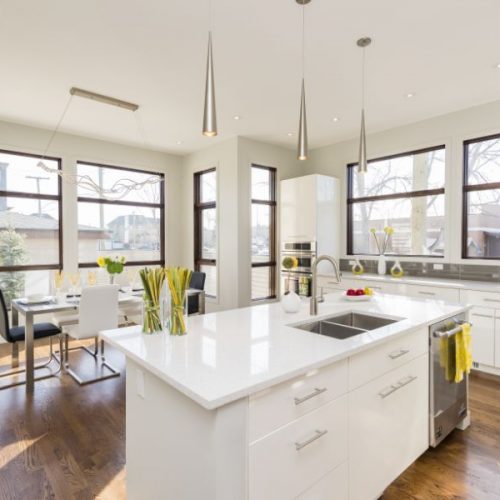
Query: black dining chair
point(14, 335)
point(198, 282)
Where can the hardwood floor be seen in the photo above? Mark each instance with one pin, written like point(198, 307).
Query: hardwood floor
point(68, 442)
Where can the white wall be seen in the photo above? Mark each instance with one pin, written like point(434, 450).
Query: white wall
point(450, 130)
point(71, 148)
point(232, 159)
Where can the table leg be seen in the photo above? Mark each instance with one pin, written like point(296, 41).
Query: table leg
point(201, 303)
point(29, 350)
point(15, 346)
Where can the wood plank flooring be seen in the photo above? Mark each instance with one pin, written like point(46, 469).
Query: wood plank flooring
point(68, 442)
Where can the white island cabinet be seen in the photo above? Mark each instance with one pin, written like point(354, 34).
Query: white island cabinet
point(248, 407)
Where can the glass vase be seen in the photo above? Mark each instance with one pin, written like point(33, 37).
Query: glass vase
point(176, 315)
point(151, 317)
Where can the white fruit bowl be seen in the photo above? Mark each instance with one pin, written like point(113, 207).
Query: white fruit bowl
point(357, 298)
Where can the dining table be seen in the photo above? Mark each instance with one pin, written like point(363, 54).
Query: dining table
point(66, 303)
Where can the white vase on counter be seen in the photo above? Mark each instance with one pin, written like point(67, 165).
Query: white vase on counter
point(382, 265)
point(290, 302)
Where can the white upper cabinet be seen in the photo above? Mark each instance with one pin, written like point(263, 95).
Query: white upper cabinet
point(310, 211)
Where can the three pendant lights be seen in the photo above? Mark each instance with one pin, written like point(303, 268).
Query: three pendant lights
point(209, 110)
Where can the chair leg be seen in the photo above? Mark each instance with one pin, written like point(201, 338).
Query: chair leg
point(103, 364)
point(15, 355)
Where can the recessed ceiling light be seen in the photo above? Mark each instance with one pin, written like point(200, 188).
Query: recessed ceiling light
point(409, 95)
point(179, 142)
point(236, 117)
point(497, 66)
point(335, 119)
point(289, 134)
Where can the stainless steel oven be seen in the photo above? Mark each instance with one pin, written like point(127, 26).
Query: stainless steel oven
point(448, 400)
point(299, 278)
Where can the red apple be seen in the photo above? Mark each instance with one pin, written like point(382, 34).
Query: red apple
point(351, 292)
point(360, 291)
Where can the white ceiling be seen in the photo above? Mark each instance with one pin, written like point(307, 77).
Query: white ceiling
point(153, 52)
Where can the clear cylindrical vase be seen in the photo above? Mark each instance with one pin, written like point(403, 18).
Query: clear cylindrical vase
point(151, 317)
point(175, 314)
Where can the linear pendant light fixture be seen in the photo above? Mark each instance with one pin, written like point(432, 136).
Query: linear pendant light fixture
point(362, 159)
point(302, 146)
point(209, 112)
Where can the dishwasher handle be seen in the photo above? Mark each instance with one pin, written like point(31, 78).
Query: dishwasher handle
point(449, 333)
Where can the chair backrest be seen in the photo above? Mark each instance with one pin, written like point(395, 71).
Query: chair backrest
point(197, 280)
point(98, 310)
point(4, 319)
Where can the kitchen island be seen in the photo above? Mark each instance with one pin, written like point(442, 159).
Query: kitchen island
point(249, 406)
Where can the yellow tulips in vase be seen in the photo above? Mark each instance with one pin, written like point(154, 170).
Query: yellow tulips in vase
point(178, 279)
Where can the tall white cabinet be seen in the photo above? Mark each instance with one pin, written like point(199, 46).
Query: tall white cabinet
point(310, 212)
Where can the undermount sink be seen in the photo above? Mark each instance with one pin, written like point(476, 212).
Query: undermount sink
point(344, 326)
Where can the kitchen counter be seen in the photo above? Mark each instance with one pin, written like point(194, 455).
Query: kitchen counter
point(233, 354)
point(486, 286)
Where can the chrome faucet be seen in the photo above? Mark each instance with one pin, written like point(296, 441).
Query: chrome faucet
point(314, 298)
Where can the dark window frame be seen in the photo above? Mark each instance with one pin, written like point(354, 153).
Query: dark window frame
point(103, 201)
point(199, 206)
point(410, 194)
point(468, 188)
point(272, 204)
point(35, 196)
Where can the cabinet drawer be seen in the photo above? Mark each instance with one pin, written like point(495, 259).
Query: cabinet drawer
point(335, 481)
point(388, 427)
point(279, 405)
point(482, 299)
point(379, 360)
point(433, 292)
point(287, 462)
point(483, 335)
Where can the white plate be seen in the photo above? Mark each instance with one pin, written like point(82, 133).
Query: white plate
point(40, 299)
point(357, 298)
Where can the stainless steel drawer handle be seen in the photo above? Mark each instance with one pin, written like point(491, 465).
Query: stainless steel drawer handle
point(317, 435)
point(406, 381)
point(426, 293)
point(317, 391)
point(398, 354)
point(482, 315)
point(491, 300)
point(393, 388)
point(387, 391)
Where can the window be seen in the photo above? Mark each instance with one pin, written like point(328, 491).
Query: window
point(205, 227)
point(481, 199)
point(132, 226)
point(405, 191)
point(30, 224)
point(263, 182)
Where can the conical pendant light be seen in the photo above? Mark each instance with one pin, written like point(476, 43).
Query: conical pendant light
point(362, 159)
point(302, 148)
point(302, 144)
point(209, 113)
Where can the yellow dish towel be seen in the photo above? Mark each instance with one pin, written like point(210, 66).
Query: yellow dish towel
point(455, 354)
point(463, 352)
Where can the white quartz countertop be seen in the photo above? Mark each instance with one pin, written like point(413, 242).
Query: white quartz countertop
point(232, 354)
point(487, 286)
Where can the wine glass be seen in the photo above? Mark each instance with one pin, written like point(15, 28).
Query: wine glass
point(58, 281)
point(74, 279)
point(91, 278)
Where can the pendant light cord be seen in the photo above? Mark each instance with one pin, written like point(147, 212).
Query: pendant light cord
point(54, 132)
point(303, 38)
point(363, 80)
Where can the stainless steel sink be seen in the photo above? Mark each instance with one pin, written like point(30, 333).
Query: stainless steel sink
point(329, 329)
point(363, 321)
point(344, 326)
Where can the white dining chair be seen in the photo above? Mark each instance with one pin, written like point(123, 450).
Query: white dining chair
point(98, 310)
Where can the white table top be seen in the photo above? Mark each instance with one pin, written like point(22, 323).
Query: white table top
point(232, 354)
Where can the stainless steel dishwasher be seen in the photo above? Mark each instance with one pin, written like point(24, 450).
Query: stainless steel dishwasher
point(448, 400)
